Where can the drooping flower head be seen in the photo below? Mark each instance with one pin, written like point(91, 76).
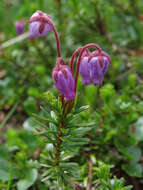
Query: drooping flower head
point(63, 80)
point(93, 67)
point(20, 26)
point(39, 24)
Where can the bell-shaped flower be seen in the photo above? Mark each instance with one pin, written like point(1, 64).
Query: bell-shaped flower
point(39, 25)
point(64, 82)
point(98, 68)
point(93, 67)
point(20, 26)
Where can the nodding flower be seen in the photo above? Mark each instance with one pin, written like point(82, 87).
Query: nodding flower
point(20, 26)
point(93, 67)
point(39, 24)
point(63, 80)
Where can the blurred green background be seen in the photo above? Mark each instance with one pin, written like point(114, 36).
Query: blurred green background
point(116, 107)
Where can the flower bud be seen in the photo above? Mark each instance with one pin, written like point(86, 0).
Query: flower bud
point(63, 80)
point(20, 26)
point(39, 25)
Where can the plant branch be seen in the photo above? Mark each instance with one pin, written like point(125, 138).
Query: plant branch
point(58, 145)
point(90, 175)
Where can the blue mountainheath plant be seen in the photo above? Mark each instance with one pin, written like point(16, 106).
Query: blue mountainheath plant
point(58, 128)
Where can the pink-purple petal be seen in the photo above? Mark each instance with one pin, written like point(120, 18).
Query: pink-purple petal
point(106, 65)
point(96, 73)
point(85, 71)
point(65, 83)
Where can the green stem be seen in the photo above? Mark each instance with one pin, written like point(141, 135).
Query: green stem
point(10, 113)
point(58, 145)
point(9, 179)
point(59, 140)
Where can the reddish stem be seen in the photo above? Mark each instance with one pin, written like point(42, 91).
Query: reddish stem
point(79, 60)
point(48, 20)
point(57, 38)
point(73, 57)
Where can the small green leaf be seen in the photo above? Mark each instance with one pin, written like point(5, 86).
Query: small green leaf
point(4, 169)
point(72, 118)
point(107, 92)
point(139, 129)
point(29, 179)
point(133, 169)
point(78, 140)
point(135, 152)
point(80, 131)
point(123, 149)
point(69, 165)
point(84, 124)
point(44, 118)
point(81, 109)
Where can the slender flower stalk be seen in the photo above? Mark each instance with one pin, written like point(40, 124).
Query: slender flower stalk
point(73, 58)
point(57, 38)
point(80, 57)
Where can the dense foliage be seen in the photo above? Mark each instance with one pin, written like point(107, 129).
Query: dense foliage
point(104, 142)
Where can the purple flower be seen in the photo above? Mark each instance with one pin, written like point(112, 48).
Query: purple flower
point(93, 67)
point(19, 26)
point(85, 71)
point(38, 24)
point(64, 82)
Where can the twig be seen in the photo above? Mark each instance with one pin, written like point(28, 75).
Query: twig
point(14, 40)
point(90, 165)
point(135, 183)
